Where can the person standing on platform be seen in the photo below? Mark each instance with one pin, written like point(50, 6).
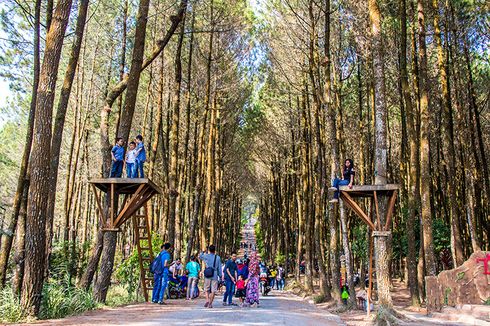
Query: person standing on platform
point(140, 158)
point(117, 154)
point(230, 274)
point(130, 160)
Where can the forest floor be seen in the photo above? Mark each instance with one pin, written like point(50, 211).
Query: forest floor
point(280, 308)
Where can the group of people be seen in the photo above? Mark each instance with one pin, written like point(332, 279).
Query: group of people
point(134, 158)
point(246, 245)
point(242, 278)
point(274, 276)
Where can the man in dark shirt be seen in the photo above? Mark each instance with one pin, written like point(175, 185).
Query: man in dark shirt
point(230, 272)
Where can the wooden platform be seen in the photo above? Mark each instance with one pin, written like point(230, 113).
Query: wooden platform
point(131, 195)
point(368, 190)
point(136, 193)
point(124, 185)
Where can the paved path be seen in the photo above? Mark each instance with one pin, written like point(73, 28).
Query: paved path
point(277, 309)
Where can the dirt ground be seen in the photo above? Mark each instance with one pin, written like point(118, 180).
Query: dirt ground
point(280, 308)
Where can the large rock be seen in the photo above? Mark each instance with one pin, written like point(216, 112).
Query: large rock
point(466, 284)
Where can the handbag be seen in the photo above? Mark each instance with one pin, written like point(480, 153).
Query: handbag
point(209, 271)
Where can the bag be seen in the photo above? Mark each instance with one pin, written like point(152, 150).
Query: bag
point(156, 265)
point(209, 271)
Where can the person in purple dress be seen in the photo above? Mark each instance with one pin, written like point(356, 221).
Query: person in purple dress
point(252, 296)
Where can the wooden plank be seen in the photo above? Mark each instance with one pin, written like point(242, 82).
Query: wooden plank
point(370, 285)
point(378, 226)
point(102, 217)
point(389, 212)
point(138, 246)
point(370, 188)
point(111, 219)
point(353, 205)
point(126, 185)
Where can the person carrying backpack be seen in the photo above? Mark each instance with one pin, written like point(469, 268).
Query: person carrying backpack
point(159, 268)
point(212, 273)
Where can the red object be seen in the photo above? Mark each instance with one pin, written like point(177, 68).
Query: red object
point(486, 262)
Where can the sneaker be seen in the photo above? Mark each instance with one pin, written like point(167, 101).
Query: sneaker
point(335, 200)
point(161, 303)
point(332, 189)
point(225, 304)
point(206, 304)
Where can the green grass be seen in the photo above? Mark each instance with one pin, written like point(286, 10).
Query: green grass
point(9, 307)
point(58, 302)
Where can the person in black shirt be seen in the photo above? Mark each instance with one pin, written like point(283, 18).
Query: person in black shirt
point(347, 179)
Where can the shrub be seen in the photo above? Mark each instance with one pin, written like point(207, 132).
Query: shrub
point(119, 294)
point(321, 298)
point(9, 306)
point(60, 301)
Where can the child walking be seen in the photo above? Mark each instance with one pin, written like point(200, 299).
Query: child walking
point(130, 160)
point(140, 158)
point(241, 286)
point(117, 154)
point(347, 179)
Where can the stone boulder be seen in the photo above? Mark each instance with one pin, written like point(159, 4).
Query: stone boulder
point(466, 284)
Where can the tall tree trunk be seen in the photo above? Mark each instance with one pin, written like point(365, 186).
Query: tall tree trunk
point(7, 238)
point(110, 237)
point(39, 184)
point(413, 159)
point(428, 242)
point(334, 156)
point(175, 219)
point(456, 245)
point(382, 244)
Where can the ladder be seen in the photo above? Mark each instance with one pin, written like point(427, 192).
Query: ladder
point(142, 233)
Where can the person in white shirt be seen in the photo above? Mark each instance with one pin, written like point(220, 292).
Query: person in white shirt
point(131, 160)
point(175, 268)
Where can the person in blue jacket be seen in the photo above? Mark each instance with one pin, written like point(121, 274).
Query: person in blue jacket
point(160, 274)
point(117, 155)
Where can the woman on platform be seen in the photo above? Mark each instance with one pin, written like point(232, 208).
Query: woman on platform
point(348, 174)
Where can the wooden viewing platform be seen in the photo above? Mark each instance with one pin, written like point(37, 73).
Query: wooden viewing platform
point(135, 194)
point(378, 229)
point(371, 191)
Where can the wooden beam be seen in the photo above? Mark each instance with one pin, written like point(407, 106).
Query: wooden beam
point(389, 212)
point(111, 219)
point(144, 196)
point(378, 226)
point(128, 204)
point(358, 210)
point(370, 188)
point(102, 216)
point(370, 284)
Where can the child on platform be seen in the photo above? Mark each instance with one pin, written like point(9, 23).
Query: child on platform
point(241, 286)
point(117, 154)
point(140, 158)
point(130, 160)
